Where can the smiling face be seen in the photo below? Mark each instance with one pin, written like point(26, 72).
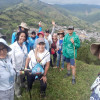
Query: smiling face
point(22, 38)
point(70, 31)
point(41, 47)
point(3, 51)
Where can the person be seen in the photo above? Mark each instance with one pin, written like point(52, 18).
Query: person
point(47, 34)
point(95, 89)
point(59, 49)
point(18, 56)
point(22, 27)
point(32, 39)
point(41, 35)
point(7, 72)
point(35, 57)
point(53, 50)
point(71, 43)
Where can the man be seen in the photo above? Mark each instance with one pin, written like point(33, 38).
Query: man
point(70, 44)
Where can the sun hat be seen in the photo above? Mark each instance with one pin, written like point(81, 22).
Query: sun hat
point(70, 28)
point(41, 33)
point(24, 25)
point(95, 49)
point(61, 32)
point(40, 40)
point(2, 41)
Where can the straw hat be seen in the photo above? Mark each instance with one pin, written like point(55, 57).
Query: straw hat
point(24, 25)
point(95, 49)
point(61, 32)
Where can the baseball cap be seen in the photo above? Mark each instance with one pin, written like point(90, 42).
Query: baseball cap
point(70, 27)
point(40, 40)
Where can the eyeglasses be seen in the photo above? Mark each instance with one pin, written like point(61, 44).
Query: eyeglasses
point(4, 48)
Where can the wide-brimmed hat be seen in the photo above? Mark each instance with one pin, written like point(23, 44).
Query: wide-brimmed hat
point(95, 49)
point(5, 44)
point(41, 33)
point(40, 40)
point(61, 32)
point(24, 25)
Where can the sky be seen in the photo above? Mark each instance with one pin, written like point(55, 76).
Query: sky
point(96, 2)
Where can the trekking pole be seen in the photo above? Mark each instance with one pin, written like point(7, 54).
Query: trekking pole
point(74, 55)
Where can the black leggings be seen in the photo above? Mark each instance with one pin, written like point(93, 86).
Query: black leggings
point(31, 79)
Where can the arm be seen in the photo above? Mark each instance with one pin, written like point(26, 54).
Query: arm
point(44, 78)
point(40, 27)
point(77, 42)
point(27, 62)
point(53, 28)
point(13, 37)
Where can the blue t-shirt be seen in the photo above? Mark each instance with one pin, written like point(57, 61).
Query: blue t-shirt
point(60, 46)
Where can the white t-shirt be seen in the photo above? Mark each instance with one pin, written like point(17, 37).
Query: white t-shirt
point(33, 62)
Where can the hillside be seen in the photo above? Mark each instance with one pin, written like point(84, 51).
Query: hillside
point(89, 13)
point(32, 11)
point(60, 88)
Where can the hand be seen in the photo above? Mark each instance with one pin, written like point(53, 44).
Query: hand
point(21, 72)
point(44, 78)
point(40, 23)
point(53, 23)
point(72, 40)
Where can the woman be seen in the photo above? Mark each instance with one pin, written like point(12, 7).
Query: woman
point(19, 55)
point(53, 50)
point(42, 56)
point(7, 73)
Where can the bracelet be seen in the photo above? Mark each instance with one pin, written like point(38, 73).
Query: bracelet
point(25, 67)
point(22, 72)
point(44, 75)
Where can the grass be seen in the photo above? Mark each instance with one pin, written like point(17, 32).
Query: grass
point(60, 88)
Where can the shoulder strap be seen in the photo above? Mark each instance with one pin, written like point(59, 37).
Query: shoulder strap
point(47, 53)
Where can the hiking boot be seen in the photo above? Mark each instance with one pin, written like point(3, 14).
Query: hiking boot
point(73, 81)
point(67, 75)
point(42, 95)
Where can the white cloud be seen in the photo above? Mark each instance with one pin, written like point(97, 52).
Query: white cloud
point(72, 1)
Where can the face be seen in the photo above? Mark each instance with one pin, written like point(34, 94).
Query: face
point(41, 47)
point(22, 38)
point(54, 37)
point(3, 51)
point(40, 36)
point(22, 29)
point(33, 35)
point(46, 34)
point(70, 31)
point(61, 35)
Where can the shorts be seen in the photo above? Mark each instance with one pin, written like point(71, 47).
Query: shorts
point(70, 60)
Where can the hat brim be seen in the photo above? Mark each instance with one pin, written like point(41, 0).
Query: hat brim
point(40, 33)
point(95, 49)
point(60, 33)
point(23, 27)
point(8, 48)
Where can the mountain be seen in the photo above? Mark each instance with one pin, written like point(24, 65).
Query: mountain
point(33, 11)
point(8, 3)
point(85, 12)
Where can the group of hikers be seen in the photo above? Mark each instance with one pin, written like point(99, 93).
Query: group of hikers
point(30, 55)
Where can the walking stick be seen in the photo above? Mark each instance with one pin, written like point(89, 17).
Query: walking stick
point(74, 55)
